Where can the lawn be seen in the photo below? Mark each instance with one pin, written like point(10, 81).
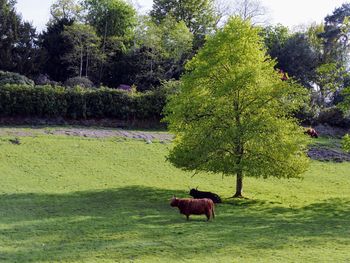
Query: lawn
point(76, 199)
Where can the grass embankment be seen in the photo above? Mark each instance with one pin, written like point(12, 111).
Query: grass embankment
point(70, 199)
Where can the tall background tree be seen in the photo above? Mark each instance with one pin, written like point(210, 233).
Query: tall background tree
point(53, 49)
point(111, 19)
point(232, 114)
point(84, 53)
point(336, 35)
point(18, 50)
point(198, 15)
point(66, 9)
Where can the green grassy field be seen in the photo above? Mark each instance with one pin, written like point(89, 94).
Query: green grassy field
point(72, 199)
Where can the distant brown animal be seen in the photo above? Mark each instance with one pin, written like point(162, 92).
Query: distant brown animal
point(189, 206)
point(311, 132)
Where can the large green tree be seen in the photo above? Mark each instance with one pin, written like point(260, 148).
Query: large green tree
point(232, 114)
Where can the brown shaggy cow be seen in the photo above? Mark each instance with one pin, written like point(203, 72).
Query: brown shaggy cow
point(189, 206)
point(311, 132)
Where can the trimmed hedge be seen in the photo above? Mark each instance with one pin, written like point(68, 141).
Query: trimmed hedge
point(79, 103)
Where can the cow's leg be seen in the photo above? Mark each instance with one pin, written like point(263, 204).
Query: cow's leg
point(187, 217)
point(208, 214)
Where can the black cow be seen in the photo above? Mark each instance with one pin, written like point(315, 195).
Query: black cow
point(200, 194)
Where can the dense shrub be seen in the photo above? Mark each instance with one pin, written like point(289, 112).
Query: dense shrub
point(44, 79)
point(79, 103)
point(14, 78)
point(79, 81)
point(333, 116)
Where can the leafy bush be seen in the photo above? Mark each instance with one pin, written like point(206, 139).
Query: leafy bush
point(332, 116)
point(14, 78)
point(79, 81)
point(44, 79)
point(346, 143)
point(79, 103)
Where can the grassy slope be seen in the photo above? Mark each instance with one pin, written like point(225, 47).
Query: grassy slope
point(106, 200)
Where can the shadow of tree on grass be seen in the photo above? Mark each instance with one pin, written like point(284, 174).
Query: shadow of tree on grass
point(137, 222)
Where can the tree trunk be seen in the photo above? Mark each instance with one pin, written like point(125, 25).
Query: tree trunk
point(81, 62)
point(239, 151)
point(87, 62)
point(239, 185)
point(103, 51)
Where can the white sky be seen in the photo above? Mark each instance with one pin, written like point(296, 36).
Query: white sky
point(287, 12)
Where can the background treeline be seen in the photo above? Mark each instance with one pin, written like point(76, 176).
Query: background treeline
point(96, 43)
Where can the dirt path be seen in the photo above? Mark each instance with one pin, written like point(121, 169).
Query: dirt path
point(88, 132)
point(316, 152)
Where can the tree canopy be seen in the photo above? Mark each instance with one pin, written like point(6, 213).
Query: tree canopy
point(232, 114)
point(111, 17)
point(198, 15)
point(336, 34)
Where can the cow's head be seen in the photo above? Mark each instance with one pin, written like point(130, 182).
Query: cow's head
point(174, 201)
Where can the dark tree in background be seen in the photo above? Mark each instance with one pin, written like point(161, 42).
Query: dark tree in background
point(53, 49)
point(336, 34)
point(299, 59)
point(293, 52)
point(18, 50)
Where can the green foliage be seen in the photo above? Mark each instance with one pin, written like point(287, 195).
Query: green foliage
point(111, 17)
point(275, 38)
point(84, 54)
point(14, 78)
point(233, 112)
point(329, 77)
point(198, 15)
point(313, 34)
point(66, 9)
point(295, 54)
point(176, 38)
point(346, 143)
point(79, 103)
point(79, 81)
point(171, 87)
point(170, 39)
